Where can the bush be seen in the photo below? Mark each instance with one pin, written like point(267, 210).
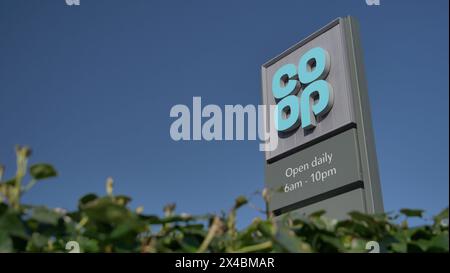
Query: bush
point(107, 224)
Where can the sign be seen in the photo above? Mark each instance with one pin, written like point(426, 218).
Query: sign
point(325, 158)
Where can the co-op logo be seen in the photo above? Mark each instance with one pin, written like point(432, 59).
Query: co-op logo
point(303, 96)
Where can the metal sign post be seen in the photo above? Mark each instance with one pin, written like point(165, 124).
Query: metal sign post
point(326, 157)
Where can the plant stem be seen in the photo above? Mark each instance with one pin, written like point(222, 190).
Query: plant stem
point(212, 231)
point(255, 248)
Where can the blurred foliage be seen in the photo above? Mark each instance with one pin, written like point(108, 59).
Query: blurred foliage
point(107, 224)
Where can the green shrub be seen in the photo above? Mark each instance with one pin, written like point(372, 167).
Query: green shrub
point(106, 224)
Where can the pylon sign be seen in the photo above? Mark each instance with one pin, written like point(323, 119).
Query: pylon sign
point(325, 157)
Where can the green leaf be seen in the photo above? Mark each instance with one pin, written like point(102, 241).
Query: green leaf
point(438, 219)
point(122, 199)
point(266, 228)
point(317, 214)
point(6, 244)
point(240, 201)
point(38, 241)
point(420, 233)
point(368, 221)
point(106, 211)
point(399, 247)
point(88, 245)
point(87, 198)
point(150, 219)
point(42, 171)
point(439, 243)
point(45, 215)
point(10, 182)
point(288, 241)
point(10, 223)
point(189, 244)
point(415, 247)
point(358, 216)
point(3, 208)
point(412, 212)
point(355, 229)
point(333, 243)
point(132, 228)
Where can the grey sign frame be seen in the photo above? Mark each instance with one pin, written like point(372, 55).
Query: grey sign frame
point(361, 112)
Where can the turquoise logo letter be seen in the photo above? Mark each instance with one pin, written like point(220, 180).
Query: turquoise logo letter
point(316, 96)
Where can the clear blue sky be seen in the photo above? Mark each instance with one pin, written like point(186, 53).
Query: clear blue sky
point(90, 88)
